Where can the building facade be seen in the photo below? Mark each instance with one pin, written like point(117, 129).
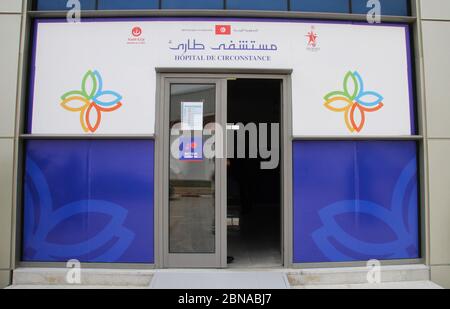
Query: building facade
point(91, 113)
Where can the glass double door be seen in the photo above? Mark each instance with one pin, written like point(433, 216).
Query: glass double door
point(194, 212)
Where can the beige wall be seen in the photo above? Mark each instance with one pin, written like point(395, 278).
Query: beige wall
point(11, 6)
point(10, 33)
point(435, 9)
point(435, 24)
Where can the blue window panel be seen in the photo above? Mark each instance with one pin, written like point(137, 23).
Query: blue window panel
point(268, 5)
point(127, 4)
point(89, 200)
point(335, 6)
point(50, 5)
point(355, 201)
point(388, 7)
point(193, 4)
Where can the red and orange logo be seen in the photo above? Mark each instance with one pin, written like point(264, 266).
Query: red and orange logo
point(312, 38)
point(223, 29)
point(136, 31)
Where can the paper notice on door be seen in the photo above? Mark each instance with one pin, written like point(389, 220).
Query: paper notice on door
point(192, 116)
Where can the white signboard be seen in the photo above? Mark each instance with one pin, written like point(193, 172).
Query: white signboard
point(98, 77)
point(192, 116)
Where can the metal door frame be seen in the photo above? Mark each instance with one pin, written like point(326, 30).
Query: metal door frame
point(163, 79)
point(218, 258)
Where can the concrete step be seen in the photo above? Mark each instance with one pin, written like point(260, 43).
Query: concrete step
point(75, 287)
point(70, 287)
point(410, 285)
point(89, 277)
point(357, 275)
point(386, 285)
point(401, 276)
point(220, 279)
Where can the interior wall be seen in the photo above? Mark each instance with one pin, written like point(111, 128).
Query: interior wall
point(254, 194)
point(246, 96)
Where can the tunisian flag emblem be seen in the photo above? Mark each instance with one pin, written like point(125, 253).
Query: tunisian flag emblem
point(223, 29)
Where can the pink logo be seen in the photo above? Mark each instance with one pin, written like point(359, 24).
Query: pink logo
point(137, 31)
point(312, 38)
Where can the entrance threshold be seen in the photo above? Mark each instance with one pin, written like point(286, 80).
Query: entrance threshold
point(398, 276)
point(211, 279)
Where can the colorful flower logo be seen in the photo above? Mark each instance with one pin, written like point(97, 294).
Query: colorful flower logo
point(354, 101)
point(91, 101)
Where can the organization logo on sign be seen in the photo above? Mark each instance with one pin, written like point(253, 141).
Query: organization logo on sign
point(354, 101)
point(223, 29)
point(136, 36)
point(91, 101)
point(136, 31)
point(312, 43)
